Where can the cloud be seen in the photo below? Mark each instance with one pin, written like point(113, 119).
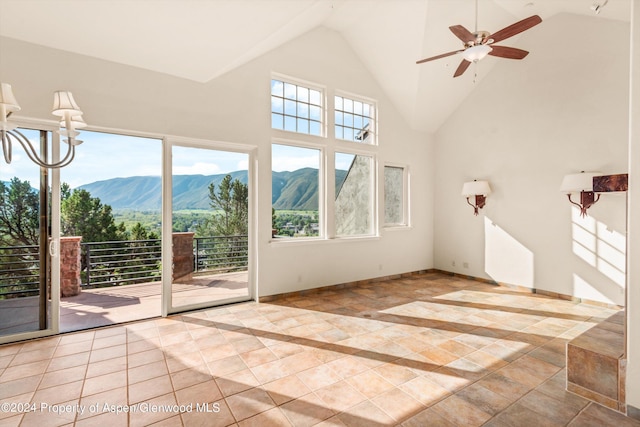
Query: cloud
point(243, 165)
point(198, 168)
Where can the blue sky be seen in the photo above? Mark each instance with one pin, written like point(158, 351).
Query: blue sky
point(104, 156)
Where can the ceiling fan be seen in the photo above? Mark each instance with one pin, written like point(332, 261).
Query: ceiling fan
point(479, 44)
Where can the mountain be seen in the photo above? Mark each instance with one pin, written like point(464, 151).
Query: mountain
point(296, 190)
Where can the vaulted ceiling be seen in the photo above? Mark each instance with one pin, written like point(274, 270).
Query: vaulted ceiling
point(203, 39)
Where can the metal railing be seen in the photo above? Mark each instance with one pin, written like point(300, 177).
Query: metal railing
point(120, 262)
point(137, 261)
point(19, 271)
point(221, 253)
point(117, 263)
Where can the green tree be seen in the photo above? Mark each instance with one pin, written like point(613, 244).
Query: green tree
point(140, 232)
point(230, 204)
point(83, 215)
point(228, 225)
point(19, 213)
point(19, 226)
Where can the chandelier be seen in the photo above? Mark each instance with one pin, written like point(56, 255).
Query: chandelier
point(64, 106)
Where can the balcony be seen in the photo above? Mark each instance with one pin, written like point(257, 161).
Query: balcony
point(104, 283)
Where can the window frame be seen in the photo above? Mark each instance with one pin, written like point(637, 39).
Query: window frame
point(329, 145)
point(307, 85)
point(406, 220)
point(322, 209)
point(373, 118)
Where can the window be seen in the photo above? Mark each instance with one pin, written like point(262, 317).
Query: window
point(295, 194)
point(301, 169)
point(296, 108)
point(354, 194)
point(354, 120)
point(395, 211)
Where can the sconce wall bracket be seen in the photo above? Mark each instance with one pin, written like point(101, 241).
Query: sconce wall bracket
point(480, 201)
point(587, 199)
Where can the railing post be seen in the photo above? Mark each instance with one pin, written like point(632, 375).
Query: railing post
point(70, 266)
point(87, 261)
point(183, 258)
point(197, 255)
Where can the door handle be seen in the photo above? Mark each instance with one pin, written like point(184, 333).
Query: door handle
point(53, 247)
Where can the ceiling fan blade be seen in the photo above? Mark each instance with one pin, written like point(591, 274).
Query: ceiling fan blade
point(462, 33)
point(516, 28)
point(437, 57)
point(508, 52)
point(462, 68)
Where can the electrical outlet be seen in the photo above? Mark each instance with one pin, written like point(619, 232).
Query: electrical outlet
point(453, 263)
point(465, 265)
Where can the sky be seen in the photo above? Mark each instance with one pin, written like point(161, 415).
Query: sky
point(104, 156)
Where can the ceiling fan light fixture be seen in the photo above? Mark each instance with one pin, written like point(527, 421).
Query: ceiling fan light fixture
point(476, 53)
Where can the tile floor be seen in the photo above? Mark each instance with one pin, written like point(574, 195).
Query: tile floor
point(425, 350)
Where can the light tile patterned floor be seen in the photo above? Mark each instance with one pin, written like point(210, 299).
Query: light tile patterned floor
point(419, 351)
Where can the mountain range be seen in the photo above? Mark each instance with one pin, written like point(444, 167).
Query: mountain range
point(295, 190)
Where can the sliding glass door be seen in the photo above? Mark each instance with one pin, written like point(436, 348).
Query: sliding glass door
point(28, 252)
point(207, 213)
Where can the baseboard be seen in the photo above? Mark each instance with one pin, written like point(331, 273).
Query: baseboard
point(633, 412)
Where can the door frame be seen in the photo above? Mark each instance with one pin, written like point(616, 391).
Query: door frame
point(53, 245)
point(168, 143)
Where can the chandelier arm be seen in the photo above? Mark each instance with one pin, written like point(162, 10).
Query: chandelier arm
point(31, 152)
point(6, 147)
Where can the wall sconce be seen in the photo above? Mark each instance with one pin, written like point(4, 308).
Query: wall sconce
point(479, 189)
point(581, 183)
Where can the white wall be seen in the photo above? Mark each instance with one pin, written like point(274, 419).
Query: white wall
point(633, 278)
point(562, 109)
point(235, 108)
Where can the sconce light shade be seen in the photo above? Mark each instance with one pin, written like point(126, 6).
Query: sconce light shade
point(477, 189)
point(581, 183)
point(577, 182)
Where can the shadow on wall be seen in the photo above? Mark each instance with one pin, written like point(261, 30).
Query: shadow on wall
point(604, 250)
point(506, 259)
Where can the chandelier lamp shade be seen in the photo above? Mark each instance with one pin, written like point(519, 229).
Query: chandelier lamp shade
point(581, 183)
point(64, 107)
point(479, 190)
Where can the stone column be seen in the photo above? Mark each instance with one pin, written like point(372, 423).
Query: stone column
point(70, 266)
point(182, 256)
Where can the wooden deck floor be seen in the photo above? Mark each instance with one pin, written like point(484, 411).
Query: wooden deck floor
point(108, 306)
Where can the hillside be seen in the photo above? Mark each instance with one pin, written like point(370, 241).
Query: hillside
point(295, 190)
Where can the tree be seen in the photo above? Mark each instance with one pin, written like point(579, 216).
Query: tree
point(231, 209)
point(228, 225)
point(19, 213)
point(139, 232)
point(83, 215)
